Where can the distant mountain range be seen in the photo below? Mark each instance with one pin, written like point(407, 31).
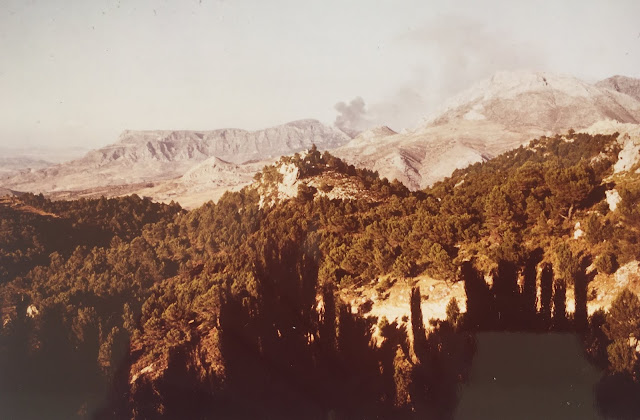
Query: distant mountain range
point(496, 115)
point(140, 161)
point(493, 116)
point(14, 160)
point(11, 166)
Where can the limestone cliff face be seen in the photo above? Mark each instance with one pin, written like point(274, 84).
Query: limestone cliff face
point(232, 145)
point(496, 115)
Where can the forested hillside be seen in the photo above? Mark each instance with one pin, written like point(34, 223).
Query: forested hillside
point(233, 310)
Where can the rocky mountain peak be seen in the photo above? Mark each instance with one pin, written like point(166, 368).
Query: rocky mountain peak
point(539, 100)
point(371, 137)
point(378, 131)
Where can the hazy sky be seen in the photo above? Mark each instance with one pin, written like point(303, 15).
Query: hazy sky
point(77, 73)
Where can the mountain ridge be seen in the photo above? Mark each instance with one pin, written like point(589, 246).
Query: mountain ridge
point(623, 84)
point(495, 115)
point(152, 156)
point(491, 117)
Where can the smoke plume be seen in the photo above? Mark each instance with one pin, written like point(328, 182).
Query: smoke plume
point(352, 117)
point(446, 56)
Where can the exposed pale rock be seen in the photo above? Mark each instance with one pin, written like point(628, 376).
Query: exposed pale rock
point(496, 115)
point(205, 181)
point(613, 198)
point(629, 155)
point(143, 371)
point(577, 231)
point(627, 274)
point(32, 311)
point(329, 184)
point(395, 306)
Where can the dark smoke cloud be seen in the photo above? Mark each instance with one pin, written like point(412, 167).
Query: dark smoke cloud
point(449, 56)
point(398, 111)
point(352, 117)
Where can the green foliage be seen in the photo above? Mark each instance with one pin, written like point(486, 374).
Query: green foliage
point(596, 230)
point(567, 262)
point(596, 341)
point(306, 192)
point(627, 215)
point(569, 187)
point(403, 267)
point(384, 285)
point(32, 227)
point(623, 319)
point(607, 263)
point(441, 264)
point(453, 312)
point(622, 357)
point(325, 188)
point(402, 370)
point(235, 282)
point(628, 205)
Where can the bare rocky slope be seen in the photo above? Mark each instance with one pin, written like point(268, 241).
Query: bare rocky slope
point(205, 181)
point(141, 160)
point(494, 116)
point(627, 85)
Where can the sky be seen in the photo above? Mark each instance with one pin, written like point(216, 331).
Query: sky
point(76, 73)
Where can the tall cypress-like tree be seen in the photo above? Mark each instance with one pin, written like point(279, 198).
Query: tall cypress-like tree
point(506, 294)
point(559, 321)
point(479, 299)
point(417, 326)
point(581, 280)
point(529, 288)
point(546, 292)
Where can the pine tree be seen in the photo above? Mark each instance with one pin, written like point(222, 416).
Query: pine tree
point(623, 328)
point(453, 313)
point(623, 319)
point(402, 379)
